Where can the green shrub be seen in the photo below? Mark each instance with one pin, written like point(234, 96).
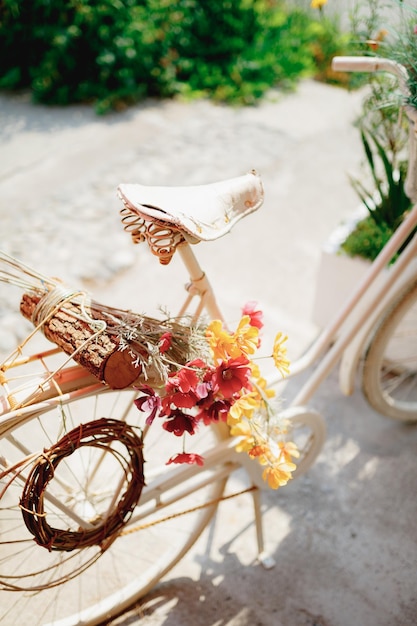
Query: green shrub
point(71, 51)
point(114, 52)
point(367, 239)
point(270, 48)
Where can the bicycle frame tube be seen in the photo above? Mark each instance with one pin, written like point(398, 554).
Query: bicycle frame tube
point(342, 340)
point(199, 286)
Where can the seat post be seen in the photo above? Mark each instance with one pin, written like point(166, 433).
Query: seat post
point(199, 285)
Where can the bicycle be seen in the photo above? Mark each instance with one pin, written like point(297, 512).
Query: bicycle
point(176, 504)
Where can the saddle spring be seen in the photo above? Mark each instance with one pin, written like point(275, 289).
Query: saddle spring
point(162, 238)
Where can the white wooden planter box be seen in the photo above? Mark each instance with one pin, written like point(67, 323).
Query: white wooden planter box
point(338, 274)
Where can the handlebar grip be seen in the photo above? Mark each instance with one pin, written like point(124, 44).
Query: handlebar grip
point(356, 64)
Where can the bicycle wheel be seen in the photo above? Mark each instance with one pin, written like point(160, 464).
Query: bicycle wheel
point(389, 378)
point(59, 576)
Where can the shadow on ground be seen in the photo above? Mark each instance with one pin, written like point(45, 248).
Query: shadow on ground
point(343, 537)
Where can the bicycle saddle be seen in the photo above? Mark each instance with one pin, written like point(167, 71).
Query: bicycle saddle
point(202, 212)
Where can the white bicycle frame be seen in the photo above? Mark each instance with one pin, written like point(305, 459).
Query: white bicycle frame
point(354, 320)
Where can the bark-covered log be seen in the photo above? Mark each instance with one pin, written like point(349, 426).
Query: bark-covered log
point(100, 355)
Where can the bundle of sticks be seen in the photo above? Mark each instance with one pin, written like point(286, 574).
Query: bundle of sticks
point(119, 347)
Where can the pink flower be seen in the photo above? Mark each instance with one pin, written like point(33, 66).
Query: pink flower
point(255, 314)
point(203, 390)
point(231, 376)
point(165, 342)
point(149, 403)
point(185, 457)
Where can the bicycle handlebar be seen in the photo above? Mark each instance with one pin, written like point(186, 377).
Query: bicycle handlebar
point(372, 64)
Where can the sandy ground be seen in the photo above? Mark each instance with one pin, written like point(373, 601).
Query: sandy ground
point(344, 536)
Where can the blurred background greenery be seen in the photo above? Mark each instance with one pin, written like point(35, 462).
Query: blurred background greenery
point(116, 52)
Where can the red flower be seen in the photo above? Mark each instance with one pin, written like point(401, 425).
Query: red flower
point(197, 364)
point(255, 314)
point(165, 342)
point(181, 390)
point(214, 411)
point(179, 422)
point(185, 457)
point(149, 403)
point(184, 388)
point(185, 380)
point(232, 376)
point(178, 400)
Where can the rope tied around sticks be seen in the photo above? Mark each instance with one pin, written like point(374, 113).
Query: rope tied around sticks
point(55, 298)
point(99, 434)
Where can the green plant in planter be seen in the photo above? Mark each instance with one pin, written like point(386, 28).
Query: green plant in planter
point(389, 202)
point(384, 135)
point(386, 204)
point(367, 239)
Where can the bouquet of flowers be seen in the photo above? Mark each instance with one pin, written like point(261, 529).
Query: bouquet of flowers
point(225, 384)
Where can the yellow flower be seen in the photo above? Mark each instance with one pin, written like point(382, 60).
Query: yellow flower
point(289, 450)
point(220, 341)
point(279, 354)
point(243, 407)
point(278, 475)
point(260, 383)
point(246, 337)
point(242, 429)
point(226, 346)
point(318, 4)
point(256, 372)
point(260, 432)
